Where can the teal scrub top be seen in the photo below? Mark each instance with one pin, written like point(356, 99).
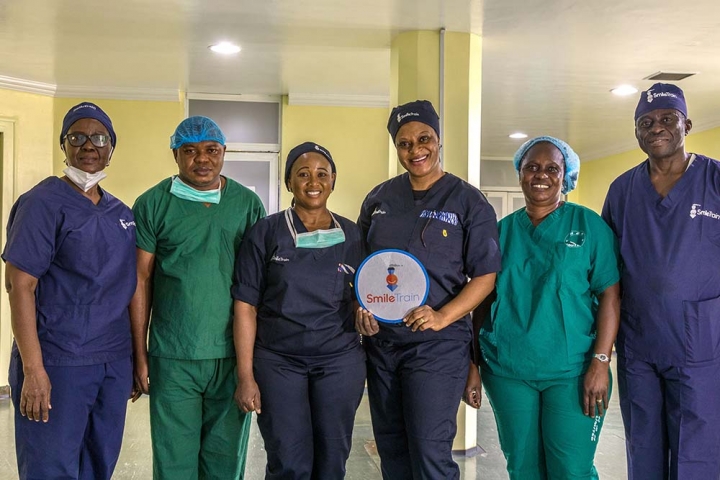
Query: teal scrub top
point(195, 248)
point(542, 324)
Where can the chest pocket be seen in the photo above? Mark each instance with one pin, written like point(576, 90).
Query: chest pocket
point(443, 242)
point(571, 263)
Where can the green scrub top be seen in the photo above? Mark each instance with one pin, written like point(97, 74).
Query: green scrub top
point(195, 247)
point(542, 324)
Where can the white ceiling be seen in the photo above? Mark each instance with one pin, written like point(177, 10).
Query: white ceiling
point(548, 65)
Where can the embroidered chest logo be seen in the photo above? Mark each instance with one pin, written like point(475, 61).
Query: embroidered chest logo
point(696, 210)
point(378, 211)
point(575, 239)
point(447, 217)
point(279, 259)
point(125, 224)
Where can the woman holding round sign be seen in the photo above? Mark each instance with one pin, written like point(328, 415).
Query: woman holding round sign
point(441, 237)
point(301, 367)
point(547, 341)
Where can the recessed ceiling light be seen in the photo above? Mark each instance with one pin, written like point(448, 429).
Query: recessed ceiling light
point(226, 48)
point(624, 90)
point(518, 135)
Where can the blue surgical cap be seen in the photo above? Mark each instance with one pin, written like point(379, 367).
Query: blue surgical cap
point(196, 129)
point(87, 110)
point(572, 161)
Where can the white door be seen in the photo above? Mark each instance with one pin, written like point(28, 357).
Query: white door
point(504, 201)
point(259, 172)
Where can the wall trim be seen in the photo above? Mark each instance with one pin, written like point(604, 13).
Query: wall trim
point(234, 98)
point(28, 86)
point(253, 147)
point(119, 93)
point(338, 100)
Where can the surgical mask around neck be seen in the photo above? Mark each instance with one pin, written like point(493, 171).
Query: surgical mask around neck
point(182, 190)
point(318, 238)
point(84, 180)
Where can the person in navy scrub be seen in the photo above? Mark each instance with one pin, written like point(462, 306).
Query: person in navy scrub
point(301, 367)
point(70, 274)
point(666, 215)
point(417, 368)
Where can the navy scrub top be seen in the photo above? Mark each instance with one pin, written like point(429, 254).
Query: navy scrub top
point(304, 296)
point(452, 230)
point(83, 256)
point(670, 247)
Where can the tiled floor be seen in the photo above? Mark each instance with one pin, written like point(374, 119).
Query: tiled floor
point(136, 458)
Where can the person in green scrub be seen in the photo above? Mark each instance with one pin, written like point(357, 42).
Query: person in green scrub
point(547, 340)
point(189, 230)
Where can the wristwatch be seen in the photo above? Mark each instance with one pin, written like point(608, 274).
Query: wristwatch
point(602, 357)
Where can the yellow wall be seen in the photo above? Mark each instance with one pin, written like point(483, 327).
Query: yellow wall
point(356, 138)
point(33, 119)
point(31, 115)
point(142, 157)
point(597, 175)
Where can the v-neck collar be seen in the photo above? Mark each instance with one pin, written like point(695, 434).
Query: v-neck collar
point(537, 232)
point(678, 190)
point(82, 198)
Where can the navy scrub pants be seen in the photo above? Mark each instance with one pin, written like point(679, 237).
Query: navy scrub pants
point(415, 391)
point(672, 420)
point(308, 412)
point(83, 435)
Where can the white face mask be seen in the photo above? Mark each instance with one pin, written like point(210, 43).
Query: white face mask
point(82, 179)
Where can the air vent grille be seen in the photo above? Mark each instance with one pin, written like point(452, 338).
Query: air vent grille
point(669, 76)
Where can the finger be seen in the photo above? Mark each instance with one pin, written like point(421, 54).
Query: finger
point(36, 410)
point(588, 406)
point(599, 403)
point(145, 385)
point(416, 324)
point(136, 393)
point(258, 404)
point(23, 406)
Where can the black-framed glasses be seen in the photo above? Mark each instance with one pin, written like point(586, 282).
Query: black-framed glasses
point(79, 139)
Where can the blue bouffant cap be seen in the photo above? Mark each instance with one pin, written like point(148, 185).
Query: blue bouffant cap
point(417, 111)
point(196, 129)
point(87, 110)
point(572, 161)
point(661, 96)
point(302, 149)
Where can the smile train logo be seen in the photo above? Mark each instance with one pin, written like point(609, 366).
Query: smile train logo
point(693, 210)
point(391, 279)
point(696, 211)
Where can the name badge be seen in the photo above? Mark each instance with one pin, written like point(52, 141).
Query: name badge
point(390, 283)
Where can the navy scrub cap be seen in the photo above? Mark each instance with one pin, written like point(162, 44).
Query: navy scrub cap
point(87, 110)
point(417, 111)
point(302, 149)
point(196, 129)
point(661, 96)
point(572, 161)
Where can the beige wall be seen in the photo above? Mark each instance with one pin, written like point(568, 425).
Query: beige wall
point(597, 175)
point(142, 156)
point(356, 138)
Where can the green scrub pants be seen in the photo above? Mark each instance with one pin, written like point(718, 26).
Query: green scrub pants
point(543, 432)
point(197, 430)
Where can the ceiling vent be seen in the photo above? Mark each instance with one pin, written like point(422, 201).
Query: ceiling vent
point(668, 76)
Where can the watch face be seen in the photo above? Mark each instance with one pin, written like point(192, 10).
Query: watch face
point(602, 357)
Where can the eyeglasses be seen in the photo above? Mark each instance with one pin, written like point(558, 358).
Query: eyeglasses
point(79, 139)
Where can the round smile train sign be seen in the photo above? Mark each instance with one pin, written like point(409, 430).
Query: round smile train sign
point(390, 283)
